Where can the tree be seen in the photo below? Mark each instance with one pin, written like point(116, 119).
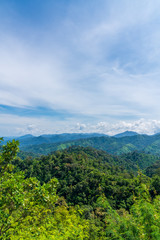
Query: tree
point(23, 202)
point(29, 210)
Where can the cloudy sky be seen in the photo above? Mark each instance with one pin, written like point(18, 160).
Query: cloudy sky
point(79, 66)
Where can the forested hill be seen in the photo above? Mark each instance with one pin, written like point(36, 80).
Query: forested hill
point(153, 169)
point(80, 171)
point(78, 193)
point(29, 139)
point(131, 161)
point(115, 145)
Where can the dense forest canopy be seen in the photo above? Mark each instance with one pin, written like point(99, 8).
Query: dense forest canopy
point(79, 193)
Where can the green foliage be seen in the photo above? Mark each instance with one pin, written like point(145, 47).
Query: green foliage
point(62, 224)
point(8, 153)
point(108, 202)
point(22, 201)
point(83, 174)
point(135, 160)
point(154, 169)
point(28, 209)
point(143, 221)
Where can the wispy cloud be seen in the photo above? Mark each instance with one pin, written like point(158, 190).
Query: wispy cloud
point(141, 126)
point(93, 61)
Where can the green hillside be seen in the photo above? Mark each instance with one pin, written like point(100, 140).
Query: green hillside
point(113, 145)
point(78, 193)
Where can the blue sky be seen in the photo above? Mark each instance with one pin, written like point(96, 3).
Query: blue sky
point(79, 66)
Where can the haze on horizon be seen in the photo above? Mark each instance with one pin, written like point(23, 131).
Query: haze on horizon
point(79, 66)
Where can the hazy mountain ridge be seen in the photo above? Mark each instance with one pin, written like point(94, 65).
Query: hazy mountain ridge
point(126, 134)
point(120, 143)
point(29, 139)
point(46, 144)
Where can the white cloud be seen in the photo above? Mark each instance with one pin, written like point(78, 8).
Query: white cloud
point(141, 126)
point(105, 67)
point(12, 125)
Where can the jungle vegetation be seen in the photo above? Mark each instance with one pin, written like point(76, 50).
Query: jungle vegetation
point(78, 193)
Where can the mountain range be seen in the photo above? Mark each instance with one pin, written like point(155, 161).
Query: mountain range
point(51, 138)
point(121, 143)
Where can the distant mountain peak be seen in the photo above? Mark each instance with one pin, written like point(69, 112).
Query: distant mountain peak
point(126, 134)
point(26, 136)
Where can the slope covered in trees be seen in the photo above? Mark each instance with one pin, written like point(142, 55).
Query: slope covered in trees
point(77, 193)
point(29, 139)
point(113, 145)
